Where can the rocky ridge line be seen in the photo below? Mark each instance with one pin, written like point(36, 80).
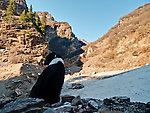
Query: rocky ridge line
point(125, 46)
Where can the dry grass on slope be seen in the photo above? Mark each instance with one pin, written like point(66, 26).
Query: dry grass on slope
point(125, 46)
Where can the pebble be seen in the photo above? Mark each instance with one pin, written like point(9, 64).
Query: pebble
point(16, 81)
point(77, 86)
point(4, 60)
point(92, 104)
point(18, 92)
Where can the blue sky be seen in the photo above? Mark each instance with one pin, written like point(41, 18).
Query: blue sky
point(89, 19)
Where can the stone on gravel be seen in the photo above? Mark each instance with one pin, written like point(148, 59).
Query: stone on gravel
point(92, 104)
point(77, 101)
point(77, 86)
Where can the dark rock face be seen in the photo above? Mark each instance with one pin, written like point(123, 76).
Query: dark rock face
point(21, 6)
point(3, 4)
point(69, 49)
point(62, 40)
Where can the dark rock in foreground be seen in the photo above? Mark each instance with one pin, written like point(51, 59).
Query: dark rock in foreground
point(23, 105)
point(120, 104)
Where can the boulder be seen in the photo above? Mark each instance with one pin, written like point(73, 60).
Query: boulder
point(67, 98)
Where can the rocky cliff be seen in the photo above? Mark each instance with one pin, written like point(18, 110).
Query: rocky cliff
point(19, 42)
point(59, 35)
point(20, 5)
point(125, 46)
point(22, 46)
point(62, 40)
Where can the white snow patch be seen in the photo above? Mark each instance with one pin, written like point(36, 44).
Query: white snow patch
point(134, 84)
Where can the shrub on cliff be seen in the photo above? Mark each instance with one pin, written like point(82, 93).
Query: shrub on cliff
point(30, 14)
point(40, 26)
point(11, 9)
point(33, 18)
point(23, 17)
point(10, 12)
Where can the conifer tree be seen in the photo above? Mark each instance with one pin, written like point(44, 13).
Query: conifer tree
point(11, 9)
point(30, 14)
point(14, 7)
point(30, 10)
point(10, 12)
point(38, 23)
point(44, 18)
point(23, 17)
point(42, 27)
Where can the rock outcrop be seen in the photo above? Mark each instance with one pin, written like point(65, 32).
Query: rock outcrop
point(20, 44)
point(20, 5)
point(59, 35)
point(62, 40)
point(4, 4)
point(125, 46)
